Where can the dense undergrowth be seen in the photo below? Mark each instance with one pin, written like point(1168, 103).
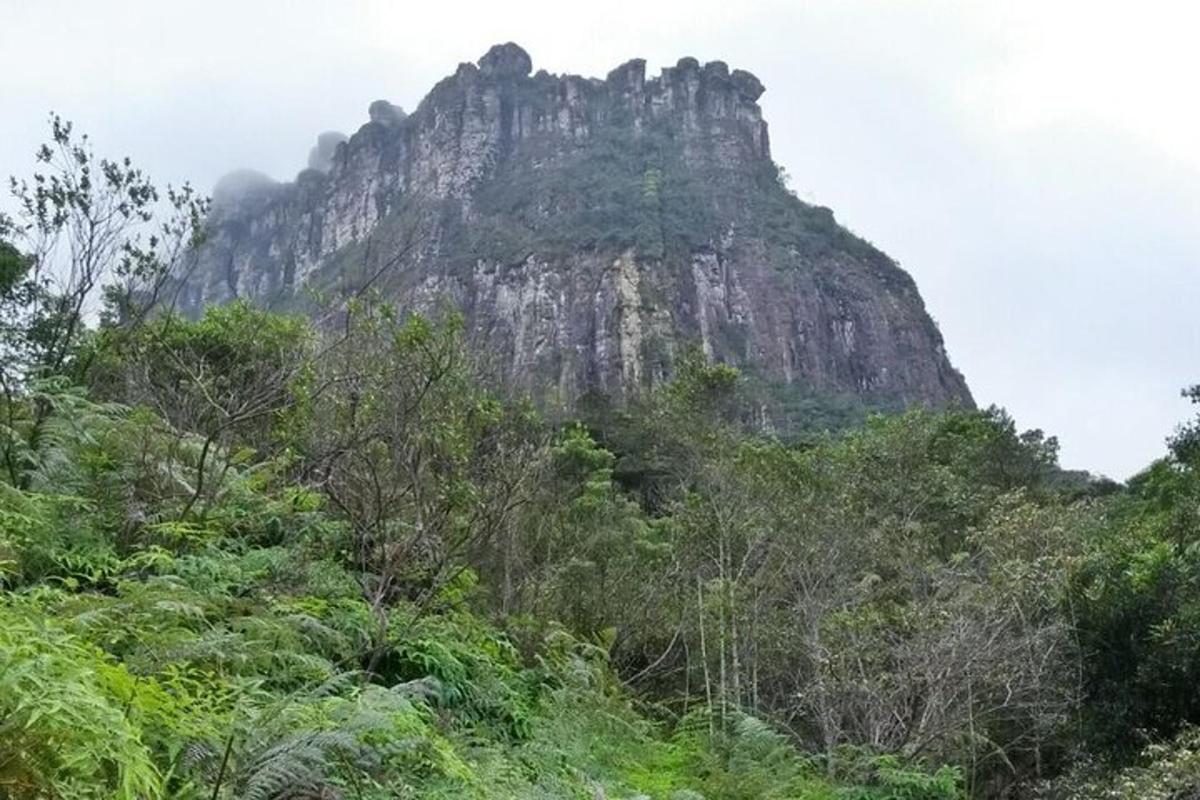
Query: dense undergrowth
point(251, 557)
point(221, 656)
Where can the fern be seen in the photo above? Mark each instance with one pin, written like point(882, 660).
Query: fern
point(63, 730)
point(299, 765)
point(314, 742)
point(59, 423)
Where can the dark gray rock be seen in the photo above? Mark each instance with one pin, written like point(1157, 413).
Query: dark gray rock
point(749, 86)
point(320, 157)
point(591, 232)
point(243, 186)
point(506, 61)
point(384, 113)
point(630, 76)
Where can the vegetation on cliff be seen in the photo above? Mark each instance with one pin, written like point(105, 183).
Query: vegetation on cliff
point(591, 231)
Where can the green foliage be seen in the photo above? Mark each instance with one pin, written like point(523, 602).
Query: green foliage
point(1185, 444)
point(237, 366)
point(1138, 603)
point(635, 188)
point(626, 189)
point(884, 586)
point(13, 268)
point(65, 724)
point(18, 293)
point(255, 560)
point(1166, 771)
point(889, 779)
point(241, 653)
point(87, 226)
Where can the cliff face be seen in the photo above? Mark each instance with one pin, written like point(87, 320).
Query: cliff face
point(591, 231)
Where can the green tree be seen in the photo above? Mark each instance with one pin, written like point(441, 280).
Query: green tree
point(93, 226)
point(1137, 596)
point(228, 384)
point(425, 468)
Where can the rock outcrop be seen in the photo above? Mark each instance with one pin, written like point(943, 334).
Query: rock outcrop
point(591, 231)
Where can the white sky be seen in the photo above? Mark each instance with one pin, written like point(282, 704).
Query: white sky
point(1033, 164)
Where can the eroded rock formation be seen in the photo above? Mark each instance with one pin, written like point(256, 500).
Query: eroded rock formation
point(590, 230)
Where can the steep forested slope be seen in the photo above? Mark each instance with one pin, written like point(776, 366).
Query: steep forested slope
point(246, 556)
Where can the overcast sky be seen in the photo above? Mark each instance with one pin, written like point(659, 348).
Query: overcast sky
point(1033, 165)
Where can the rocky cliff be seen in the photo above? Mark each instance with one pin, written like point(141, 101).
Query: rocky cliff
point(591, 230)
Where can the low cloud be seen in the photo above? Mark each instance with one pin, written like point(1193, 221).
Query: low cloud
point(320, 157)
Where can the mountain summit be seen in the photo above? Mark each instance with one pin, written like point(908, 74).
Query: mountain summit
point(591, 231)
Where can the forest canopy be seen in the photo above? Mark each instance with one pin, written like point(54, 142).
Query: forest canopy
point(250, 556)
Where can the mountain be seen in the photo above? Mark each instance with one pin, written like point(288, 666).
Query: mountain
point(591, 231)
